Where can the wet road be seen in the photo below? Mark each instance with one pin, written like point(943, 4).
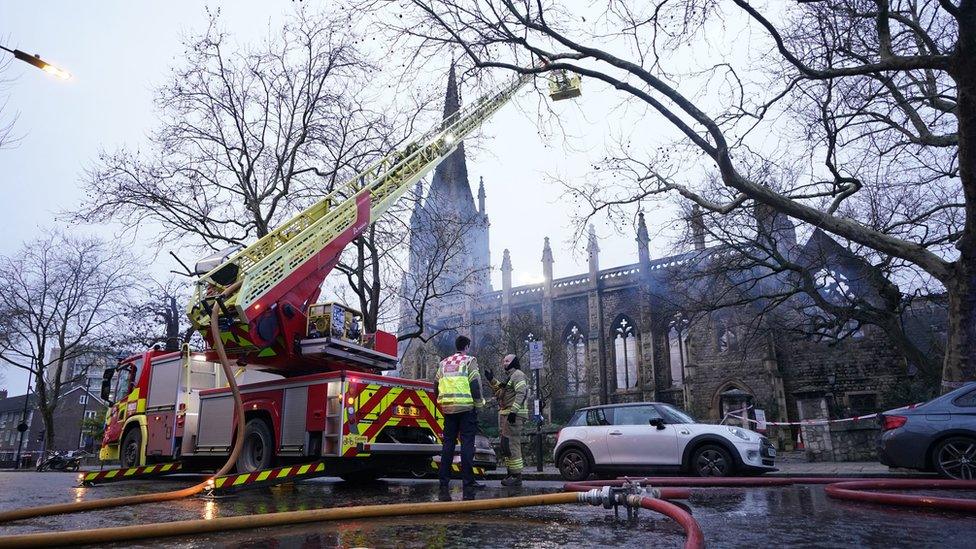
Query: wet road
point(798, 516)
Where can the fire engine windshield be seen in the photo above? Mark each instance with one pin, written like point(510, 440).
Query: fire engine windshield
point(126, 378)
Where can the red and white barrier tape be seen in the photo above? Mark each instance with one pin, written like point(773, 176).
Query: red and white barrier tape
point(818, 421)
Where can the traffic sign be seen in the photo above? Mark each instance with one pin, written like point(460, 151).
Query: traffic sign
point(535, 355)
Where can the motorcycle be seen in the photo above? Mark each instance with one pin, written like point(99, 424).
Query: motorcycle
point(62, 461)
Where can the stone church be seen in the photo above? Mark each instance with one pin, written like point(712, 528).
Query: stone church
point(616, 335)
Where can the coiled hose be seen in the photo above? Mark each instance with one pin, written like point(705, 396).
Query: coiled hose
point(62, 508)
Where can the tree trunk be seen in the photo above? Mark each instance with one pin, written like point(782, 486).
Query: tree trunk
point(960, 359)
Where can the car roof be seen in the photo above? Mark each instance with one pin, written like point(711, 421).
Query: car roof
point(618, 405)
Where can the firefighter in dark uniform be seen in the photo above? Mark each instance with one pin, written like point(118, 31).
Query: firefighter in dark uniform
point(513, 412)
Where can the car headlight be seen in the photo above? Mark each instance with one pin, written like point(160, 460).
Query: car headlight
point(739, 433)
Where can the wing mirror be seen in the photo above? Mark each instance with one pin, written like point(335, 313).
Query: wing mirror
point(657, 422)
point(107, 384)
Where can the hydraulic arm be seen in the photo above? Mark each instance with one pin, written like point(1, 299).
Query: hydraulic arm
point(265, 289)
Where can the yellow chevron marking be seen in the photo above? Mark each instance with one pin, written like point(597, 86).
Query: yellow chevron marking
point(320, 467)
point(112, 473)
point(284, 472)
point(263, 476)
point(219, 481)
point(129, 472)
point(303, 469)
point(240, 479)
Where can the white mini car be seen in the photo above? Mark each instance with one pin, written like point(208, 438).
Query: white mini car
point(632, 438)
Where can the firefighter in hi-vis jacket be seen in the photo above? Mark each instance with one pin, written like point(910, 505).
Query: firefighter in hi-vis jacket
point(512, 415)
point(457, 389)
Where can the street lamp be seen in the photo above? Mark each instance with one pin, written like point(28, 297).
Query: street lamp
point(39, 63)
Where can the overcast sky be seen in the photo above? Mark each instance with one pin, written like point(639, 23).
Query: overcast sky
point(118, 51)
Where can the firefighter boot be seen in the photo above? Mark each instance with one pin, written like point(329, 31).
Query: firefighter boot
point(513, 480)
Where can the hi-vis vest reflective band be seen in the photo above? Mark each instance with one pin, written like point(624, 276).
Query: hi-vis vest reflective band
point(454, 387)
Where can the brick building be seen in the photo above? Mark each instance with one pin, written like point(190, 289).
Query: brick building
point(616, 335)
point(11, 413)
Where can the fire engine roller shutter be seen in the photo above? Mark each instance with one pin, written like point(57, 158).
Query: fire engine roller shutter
point(163, 383)
point(216, 419)
point(293, 416)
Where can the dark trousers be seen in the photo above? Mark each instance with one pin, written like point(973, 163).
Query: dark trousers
point(465, 423)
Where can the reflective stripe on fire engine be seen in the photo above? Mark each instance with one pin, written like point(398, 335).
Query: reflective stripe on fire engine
point(375, 407)
point(456, 468)
point(269, 476)
point(131, 472)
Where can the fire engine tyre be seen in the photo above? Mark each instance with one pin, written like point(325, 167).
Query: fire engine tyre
point(257, 452)
point(712, 460)
point(129, 452)
point(955, 458)
point(574, 465)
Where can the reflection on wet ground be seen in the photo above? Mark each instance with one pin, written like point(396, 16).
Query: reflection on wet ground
point(795, 516)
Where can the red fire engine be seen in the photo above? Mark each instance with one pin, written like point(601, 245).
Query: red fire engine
point(315, 400)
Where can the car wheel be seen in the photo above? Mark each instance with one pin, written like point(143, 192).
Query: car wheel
point(131, 449)
point(712, 460)
point(574, 465)
point(955, 457)
point(257, 453)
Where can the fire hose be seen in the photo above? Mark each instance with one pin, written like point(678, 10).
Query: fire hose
point(201, 526)
point(62, 508)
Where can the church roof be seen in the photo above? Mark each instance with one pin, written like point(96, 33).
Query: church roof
point(450, 187)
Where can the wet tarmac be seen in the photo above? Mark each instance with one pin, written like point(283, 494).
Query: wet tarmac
point(795, 516)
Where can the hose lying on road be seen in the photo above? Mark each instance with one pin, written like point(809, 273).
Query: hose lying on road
point(62, 508)
point(694, 538)
point(857, 490)
point(201, 526)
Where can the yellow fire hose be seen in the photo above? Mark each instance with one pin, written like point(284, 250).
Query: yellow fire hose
point(61, 508)
point(200, 526)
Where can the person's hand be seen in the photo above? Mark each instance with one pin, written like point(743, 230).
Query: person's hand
point(489, 374)
point(511, 418)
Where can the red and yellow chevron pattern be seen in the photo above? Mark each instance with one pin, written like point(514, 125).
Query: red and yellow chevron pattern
point(269, 476)
point(375, 406)
point(111, 475)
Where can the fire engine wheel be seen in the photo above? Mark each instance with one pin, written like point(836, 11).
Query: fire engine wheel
point(131, 448)
point(258, 450)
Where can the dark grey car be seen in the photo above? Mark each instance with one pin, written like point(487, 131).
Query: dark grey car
point(939, 435)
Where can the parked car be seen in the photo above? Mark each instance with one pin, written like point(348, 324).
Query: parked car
point(632, 438)
point(939, 435)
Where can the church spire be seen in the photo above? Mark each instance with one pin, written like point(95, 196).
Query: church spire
point(450, 189)
point(452, 101)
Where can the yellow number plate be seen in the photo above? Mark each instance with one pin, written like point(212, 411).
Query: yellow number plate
point(407, 411)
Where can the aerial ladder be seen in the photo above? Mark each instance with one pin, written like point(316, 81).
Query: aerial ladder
point(264, 291)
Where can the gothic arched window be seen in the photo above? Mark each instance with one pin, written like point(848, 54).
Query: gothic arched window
point(725, 337)
point(625, 353)
point(575, 348)
point(678, 349)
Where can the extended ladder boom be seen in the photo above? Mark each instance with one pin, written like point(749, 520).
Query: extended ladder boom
point(265, 288)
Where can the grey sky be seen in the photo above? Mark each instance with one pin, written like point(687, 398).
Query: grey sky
point(117, 51)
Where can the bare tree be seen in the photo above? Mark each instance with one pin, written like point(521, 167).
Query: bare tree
point(250, 136)
point(63, 297)
point(7, 121)
point(156, 316)
point(872, 101)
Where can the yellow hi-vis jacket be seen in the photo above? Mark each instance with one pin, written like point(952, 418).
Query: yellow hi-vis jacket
point(512, 394)
point(458, 384)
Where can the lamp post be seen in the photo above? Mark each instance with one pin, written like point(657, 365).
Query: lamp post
point(39, 63)
point(22, 426)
